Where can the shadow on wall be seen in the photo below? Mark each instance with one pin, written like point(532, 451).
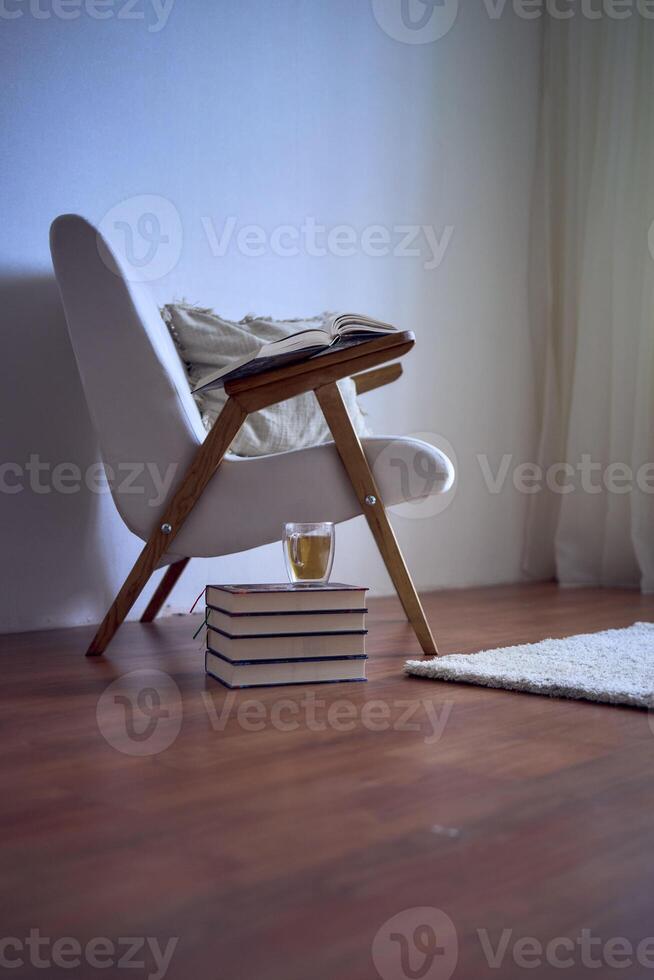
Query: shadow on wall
point(64, 547)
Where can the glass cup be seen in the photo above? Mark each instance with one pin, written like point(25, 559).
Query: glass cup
point(309, 552)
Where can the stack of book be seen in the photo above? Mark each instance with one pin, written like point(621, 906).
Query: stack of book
point(285, 634)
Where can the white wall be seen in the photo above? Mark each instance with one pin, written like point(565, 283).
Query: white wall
point(272, 111)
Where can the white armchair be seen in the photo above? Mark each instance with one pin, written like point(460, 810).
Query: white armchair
point(149, 431)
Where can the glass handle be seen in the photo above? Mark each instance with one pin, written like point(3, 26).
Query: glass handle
point(295, 551)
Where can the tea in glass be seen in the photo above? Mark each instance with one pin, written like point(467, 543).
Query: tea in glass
point(309, 552)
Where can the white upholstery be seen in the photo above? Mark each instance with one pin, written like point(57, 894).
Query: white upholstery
point(145, 419)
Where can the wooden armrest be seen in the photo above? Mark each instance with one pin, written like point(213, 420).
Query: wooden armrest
point(260, 390)
point(370, 380)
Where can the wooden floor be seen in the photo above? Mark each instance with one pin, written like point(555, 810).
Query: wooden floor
point(276, 841)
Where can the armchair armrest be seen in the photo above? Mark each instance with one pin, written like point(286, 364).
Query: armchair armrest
point(369, 380)
point(260, 390)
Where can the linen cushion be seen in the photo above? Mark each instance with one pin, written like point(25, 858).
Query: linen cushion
point(207, 342)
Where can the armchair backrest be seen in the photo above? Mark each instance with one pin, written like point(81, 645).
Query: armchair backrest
point(134, 382)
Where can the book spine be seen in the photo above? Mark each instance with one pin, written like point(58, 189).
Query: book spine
point(286, 612)
point(284, 660)
point(296, 636)
point(247, 687)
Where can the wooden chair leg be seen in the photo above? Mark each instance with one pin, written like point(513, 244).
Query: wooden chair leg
point(164, 589)
point(354, 460)
point(207, 460)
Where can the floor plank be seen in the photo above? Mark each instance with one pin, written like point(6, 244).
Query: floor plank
point(275, 840)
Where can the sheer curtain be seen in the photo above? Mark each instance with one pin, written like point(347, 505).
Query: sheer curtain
point(592, 305)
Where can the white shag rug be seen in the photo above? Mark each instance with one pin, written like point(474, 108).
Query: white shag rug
point(614, 667)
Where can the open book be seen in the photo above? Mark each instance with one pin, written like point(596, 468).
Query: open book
point(343, 330)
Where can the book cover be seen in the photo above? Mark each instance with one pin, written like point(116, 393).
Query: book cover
point(315, 670)
point(285, 598)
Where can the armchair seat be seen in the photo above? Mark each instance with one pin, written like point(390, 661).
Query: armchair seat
point(248, 500)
